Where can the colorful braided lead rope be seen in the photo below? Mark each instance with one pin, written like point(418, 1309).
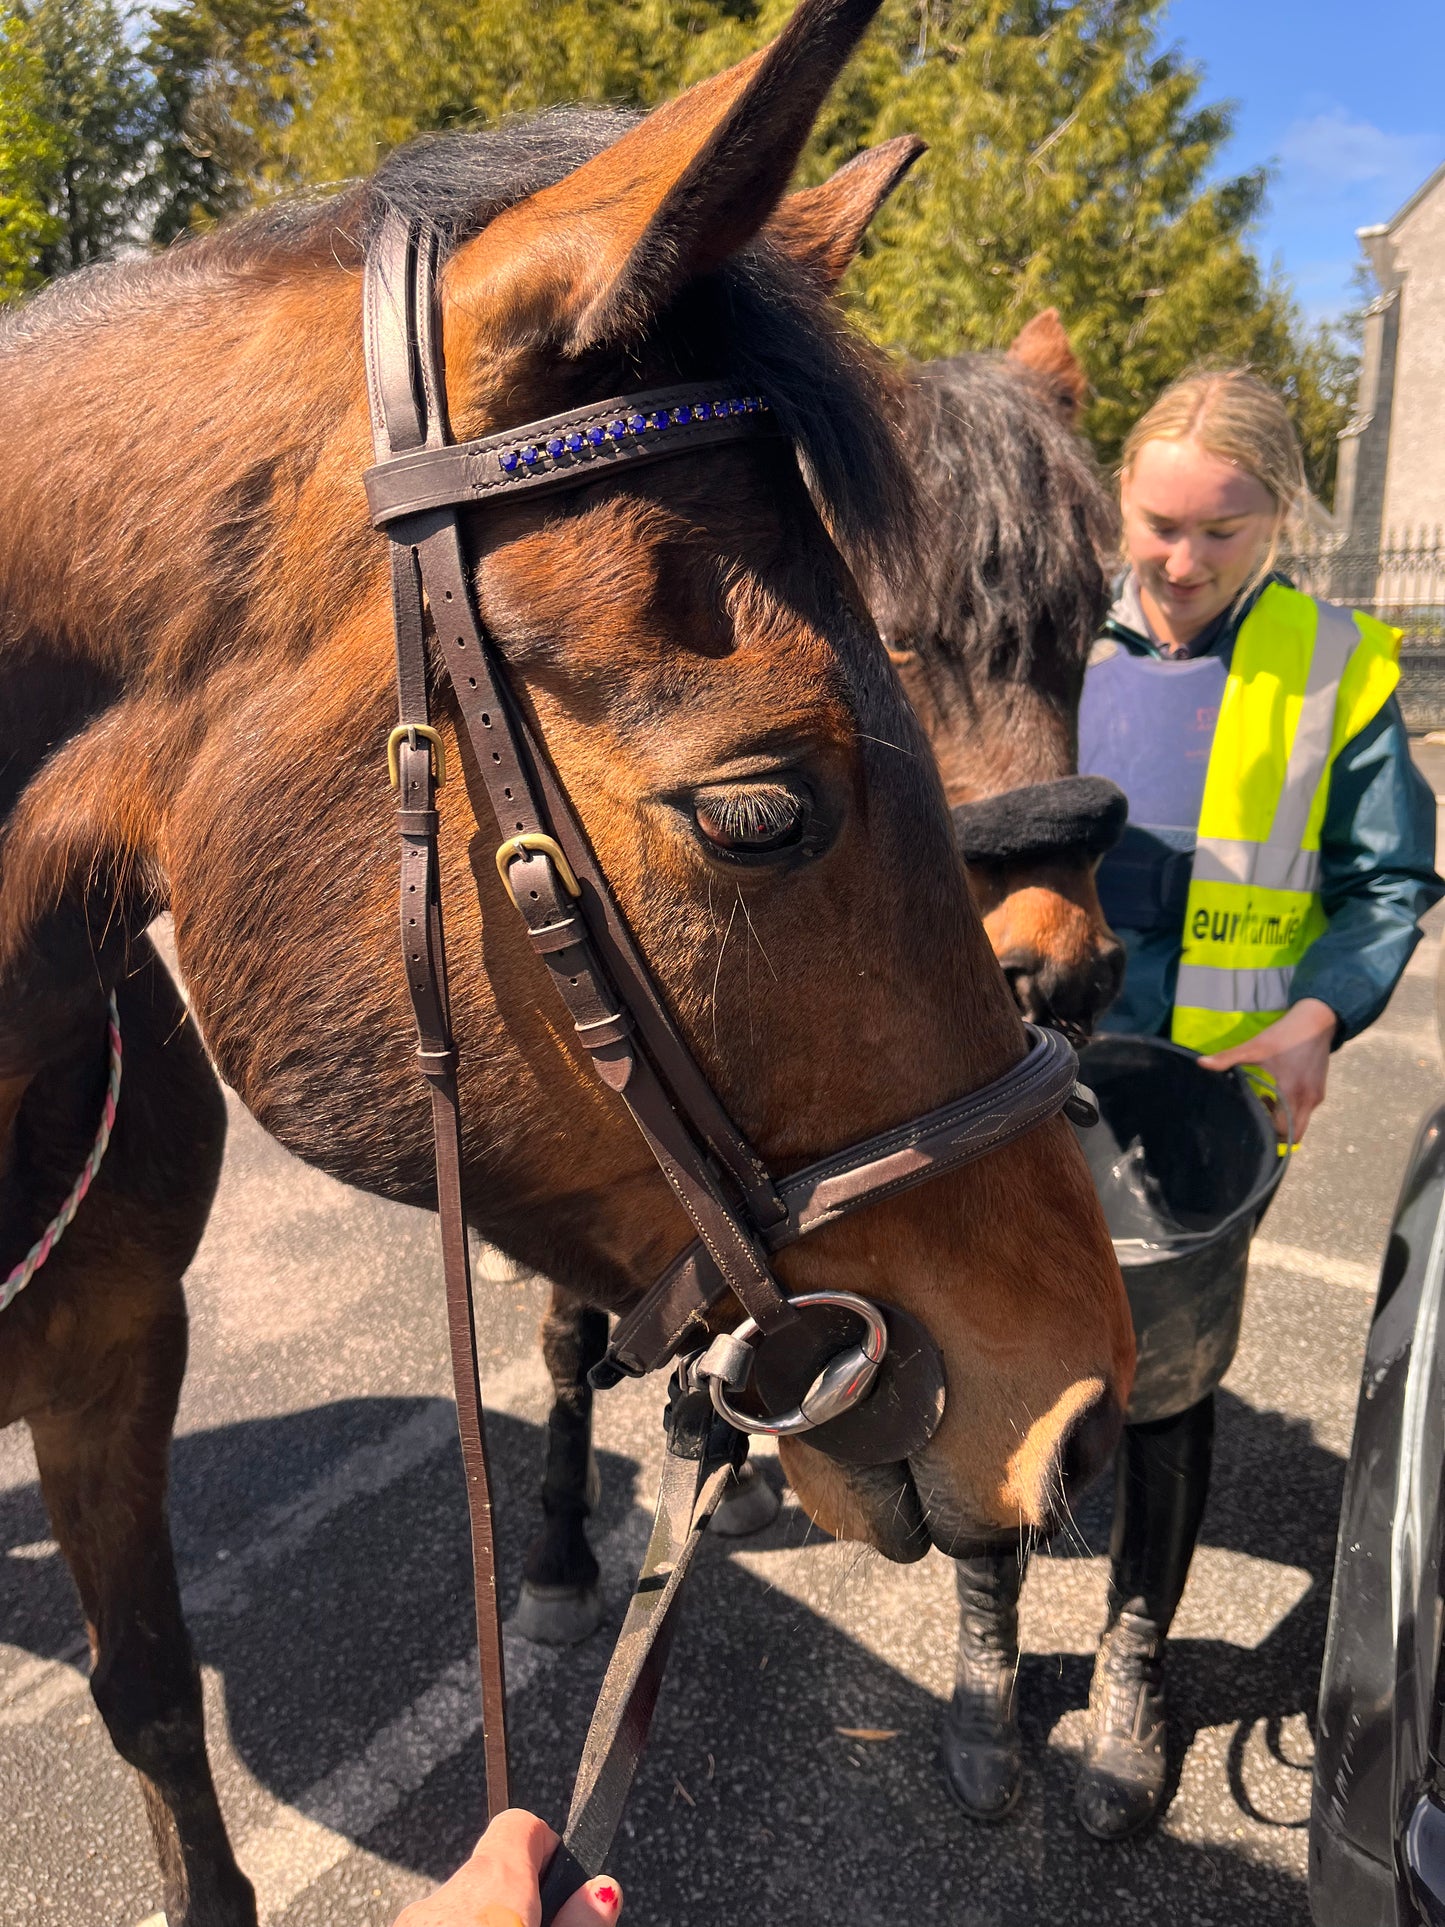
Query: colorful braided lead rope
point(20, 1277)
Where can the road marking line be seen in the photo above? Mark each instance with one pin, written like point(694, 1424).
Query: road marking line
point(38, 1686)
point(308, 1837)
point(364, 1473)
point(1315, 1264)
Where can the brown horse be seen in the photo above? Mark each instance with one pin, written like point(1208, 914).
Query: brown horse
point(990, 630)
point(990, 624)
point(195, 658)
point(990, 620)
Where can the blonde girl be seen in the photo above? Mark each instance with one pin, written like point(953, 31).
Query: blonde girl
point(1267, 892)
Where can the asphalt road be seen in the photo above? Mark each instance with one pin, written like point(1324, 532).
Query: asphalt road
point(320, 1528)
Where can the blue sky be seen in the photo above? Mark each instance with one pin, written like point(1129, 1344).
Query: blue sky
point(1346, 101)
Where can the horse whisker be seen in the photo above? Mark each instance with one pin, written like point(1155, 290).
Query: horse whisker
point(717, 973)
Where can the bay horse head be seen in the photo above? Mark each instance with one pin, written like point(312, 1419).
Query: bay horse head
point(991, 634)
point(685, 641)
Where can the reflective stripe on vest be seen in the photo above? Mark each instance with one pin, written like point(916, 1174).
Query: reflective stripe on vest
point(1305, 678)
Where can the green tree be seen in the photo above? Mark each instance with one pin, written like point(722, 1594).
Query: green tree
point(1069, 167)
point(228, 76)
point(389, 69)
point(99, 105)
point(29, 157)
point(1317, 372)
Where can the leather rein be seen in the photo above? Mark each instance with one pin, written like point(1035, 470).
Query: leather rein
point(419, 490)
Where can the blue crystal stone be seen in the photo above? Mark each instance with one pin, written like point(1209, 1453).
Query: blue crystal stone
point(682, 414)
point(597, 436)
point(574, 441)
point(637, 423)
point(617, 430)
point(508, 459)
point(703, 411)
point(738, 406)
point(662, 419)
point(529, 456)
point(750, 404)
point(555, 445)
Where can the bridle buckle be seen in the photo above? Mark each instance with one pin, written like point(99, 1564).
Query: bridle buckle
point(515, 846)
point(408, 733)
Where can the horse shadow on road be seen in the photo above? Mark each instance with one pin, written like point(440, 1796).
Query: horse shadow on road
point(752, 1810)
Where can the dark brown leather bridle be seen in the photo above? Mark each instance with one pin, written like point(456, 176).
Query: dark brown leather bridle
point(874, 1400)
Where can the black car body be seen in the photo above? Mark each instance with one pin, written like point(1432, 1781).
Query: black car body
point(1377, 1830)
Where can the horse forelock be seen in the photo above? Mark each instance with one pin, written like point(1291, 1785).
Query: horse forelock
point(1019, 529)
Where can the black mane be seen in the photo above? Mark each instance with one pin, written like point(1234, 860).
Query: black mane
point(1018, 530)
point(759, 319)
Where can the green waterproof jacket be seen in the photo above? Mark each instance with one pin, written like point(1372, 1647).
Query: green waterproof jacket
point(1377, 851)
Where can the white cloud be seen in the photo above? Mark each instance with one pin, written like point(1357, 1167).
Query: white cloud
point(1335, 150)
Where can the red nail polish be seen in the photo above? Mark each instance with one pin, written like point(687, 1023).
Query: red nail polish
point(607, 1895)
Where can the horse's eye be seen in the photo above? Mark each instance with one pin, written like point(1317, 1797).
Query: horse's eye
point(752, 821)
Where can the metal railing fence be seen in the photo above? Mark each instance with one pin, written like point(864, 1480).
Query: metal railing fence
point(1401, 580)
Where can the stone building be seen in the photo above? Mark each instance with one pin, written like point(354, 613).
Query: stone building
point(1391, 485)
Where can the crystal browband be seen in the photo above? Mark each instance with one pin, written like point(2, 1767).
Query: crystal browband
point(581, 441)
point(577, 447)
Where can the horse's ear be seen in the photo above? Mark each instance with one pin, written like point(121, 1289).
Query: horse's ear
point(1043, 347)
point(823, 227)
point(592, 261)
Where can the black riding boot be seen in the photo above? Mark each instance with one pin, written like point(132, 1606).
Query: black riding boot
point(1162, 1479)
point(981, 1753)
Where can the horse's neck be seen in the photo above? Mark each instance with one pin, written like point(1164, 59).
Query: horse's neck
point(156, 461)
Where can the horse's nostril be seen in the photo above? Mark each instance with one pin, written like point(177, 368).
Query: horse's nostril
point(1088, 1445)
point(1021, 972)
point(1109, 971)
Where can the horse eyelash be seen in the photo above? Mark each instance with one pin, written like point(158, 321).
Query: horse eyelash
point(752, 816)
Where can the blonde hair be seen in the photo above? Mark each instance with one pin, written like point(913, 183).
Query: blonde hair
point(1240, 419)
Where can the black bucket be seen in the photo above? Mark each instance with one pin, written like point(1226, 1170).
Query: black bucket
point(1185, 1161)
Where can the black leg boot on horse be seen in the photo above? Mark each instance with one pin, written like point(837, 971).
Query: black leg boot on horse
point(560, 1604)
point(1162, 1482)
point(981, 1752)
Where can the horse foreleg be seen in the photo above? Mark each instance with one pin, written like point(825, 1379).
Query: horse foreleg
point(560, 1601)
point(103, 1473)
point(93, 1357)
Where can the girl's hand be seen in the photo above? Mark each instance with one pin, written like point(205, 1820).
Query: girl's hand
point(500, 1885)
point(1295, 1050)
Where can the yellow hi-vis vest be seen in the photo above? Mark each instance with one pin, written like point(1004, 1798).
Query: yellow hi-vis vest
point(1304, 679)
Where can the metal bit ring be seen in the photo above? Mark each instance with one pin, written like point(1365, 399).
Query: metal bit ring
point(844, 1381)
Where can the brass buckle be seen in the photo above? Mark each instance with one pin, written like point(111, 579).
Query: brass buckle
point(508, 852)
point(411, 731)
